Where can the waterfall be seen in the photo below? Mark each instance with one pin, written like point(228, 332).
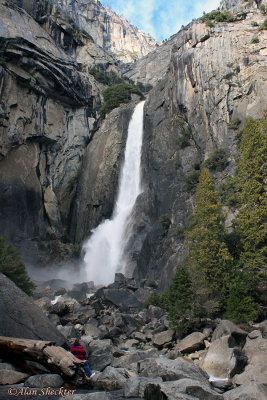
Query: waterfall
point(104, 249)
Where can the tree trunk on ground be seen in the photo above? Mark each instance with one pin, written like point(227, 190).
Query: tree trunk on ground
point(53, 357)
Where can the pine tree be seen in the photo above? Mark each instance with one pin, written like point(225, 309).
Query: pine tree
point(179, 299)
point(208, 260)
point(13, 267)
point(251, 219)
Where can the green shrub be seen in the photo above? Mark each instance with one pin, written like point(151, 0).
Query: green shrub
point(179, 232)
point(228, 192)
point(177, 122)
point(263, 26)
point(263, 8)
point(217, 161)
point(218, 16)
point(156, 299)
point(234, 124)
point(190, 180)
point(165, 221)
point(209, 23)
point(116, 95)
point(255, 40)
point(13, 267)
point(107, 78)
point(184, 138)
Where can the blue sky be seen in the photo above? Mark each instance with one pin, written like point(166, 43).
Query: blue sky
point(161, 18)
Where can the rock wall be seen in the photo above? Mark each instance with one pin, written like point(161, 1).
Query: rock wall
point(215, 75)
point(110, 31)
point(48, 114)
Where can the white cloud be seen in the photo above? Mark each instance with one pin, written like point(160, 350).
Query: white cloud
point(161, 18)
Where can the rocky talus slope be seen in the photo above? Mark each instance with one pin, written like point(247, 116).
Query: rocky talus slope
point(136, 354)
point(109, 30)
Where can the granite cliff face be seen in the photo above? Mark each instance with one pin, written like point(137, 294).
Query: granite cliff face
point(49, 112)
point(110, 31)
point(215, 75)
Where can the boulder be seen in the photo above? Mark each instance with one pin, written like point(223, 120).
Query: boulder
point(183, 389)
point(7, 366)
point(64, 305)
point(79, 291)
point(135, 387)
point(248, 391)
point(222, 360)
point(255, 343)
point(170, 370)
point(228, 328)
point(163, 337)
point(44, 381)
point(121, 298)
point(255, 371)
point(191, 343)
point(67, 331)
point(21, 318)
point(10, 377)
point(92, 330)
point(110, 379)
point(134, 357)
point(100, 355)
point(262, 326)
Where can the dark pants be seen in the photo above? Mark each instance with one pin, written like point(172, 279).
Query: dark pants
point(87, 369)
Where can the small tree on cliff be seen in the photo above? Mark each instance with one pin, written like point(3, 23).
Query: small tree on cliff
point(208, 260)
point(13, 267)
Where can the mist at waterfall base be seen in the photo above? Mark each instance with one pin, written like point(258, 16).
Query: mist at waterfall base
point(104, 251)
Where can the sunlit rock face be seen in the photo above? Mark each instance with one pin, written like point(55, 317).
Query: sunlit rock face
point(109, 30)
point(215, 75)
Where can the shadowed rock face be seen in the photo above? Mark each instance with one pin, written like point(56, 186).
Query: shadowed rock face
point(48, 114)
point(20, 317)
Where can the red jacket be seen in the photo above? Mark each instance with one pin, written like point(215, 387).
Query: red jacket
point(78, 351)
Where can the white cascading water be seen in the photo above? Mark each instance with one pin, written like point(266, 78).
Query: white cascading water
point(104, 249)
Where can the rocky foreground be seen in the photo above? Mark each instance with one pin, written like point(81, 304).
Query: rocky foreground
point(133, 350)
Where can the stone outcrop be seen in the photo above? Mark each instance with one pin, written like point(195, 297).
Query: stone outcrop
point(20, 317)
point(110, 31)
point(215, 75)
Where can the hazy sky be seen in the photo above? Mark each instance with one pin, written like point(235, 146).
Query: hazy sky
point(161, 18)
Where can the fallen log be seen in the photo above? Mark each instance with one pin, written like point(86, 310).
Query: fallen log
point(55, 358)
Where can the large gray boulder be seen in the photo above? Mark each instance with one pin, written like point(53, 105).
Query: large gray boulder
point(21, 318)
point(10, 377)
point(100, 354)
point(191, 343)
point(111, 379)
point(135, 387)
point(87, 396)
point(222, 359)
point(171, 370)
point(44, 381)
point(183, 389)
point(164, 337)
point(133, 357)
point(256, 351)
point(226, 328)
point(249, 391)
